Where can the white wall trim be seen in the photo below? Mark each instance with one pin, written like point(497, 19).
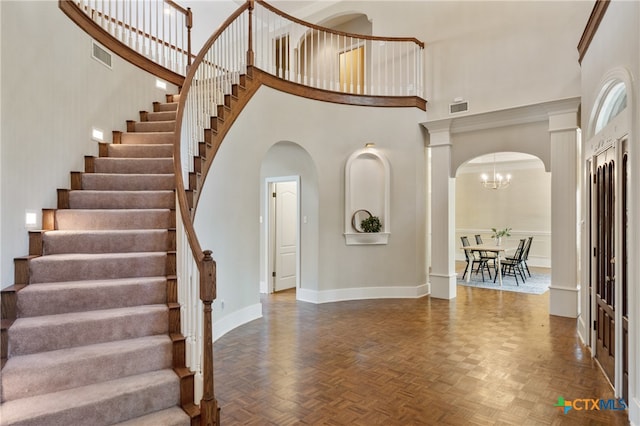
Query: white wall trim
point(473, 231)
point(361, 293)
point(236, 319)
point(504, 118)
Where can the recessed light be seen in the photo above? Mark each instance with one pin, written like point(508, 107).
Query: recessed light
point(30, 219)
point(97, 134)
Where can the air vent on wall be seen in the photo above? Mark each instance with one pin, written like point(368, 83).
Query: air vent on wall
point(100, 54)
point(458, 107)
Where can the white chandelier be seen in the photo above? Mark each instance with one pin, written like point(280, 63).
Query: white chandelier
point(498, 181)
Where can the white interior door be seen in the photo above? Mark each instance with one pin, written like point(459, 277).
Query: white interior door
point(286, 235)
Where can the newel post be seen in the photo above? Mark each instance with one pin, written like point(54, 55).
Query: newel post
point(250, 35)
point(189, 25)
point(208, 404)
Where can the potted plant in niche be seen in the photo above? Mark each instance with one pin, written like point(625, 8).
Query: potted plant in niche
point(499, 233)
point(371, 224)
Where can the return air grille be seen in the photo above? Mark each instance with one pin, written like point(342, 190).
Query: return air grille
point(458, 107)
point(100, 54)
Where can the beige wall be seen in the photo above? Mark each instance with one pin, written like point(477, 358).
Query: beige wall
point(524, 206)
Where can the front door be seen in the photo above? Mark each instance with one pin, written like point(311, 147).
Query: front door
point(604, 260)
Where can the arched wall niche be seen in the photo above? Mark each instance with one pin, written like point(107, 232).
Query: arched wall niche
point(367, 191)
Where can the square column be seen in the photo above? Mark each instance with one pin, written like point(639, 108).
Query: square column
point(443, 245)
point(564, 136)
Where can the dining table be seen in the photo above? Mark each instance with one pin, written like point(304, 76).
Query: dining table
point(498, 250)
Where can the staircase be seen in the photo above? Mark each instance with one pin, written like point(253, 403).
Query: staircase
point(90, 330)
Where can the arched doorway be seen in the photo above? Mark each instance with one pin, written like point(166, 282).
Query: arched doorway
point(523, 206)
point(288, 169)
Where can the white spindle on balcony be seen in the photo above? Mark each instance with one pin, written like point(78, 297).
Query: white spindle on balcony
point(150, 27)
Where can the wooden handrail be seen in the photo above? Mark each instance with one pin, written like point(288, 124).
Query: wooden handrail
point(183, 203)
point(340, 33)
point(142, 33)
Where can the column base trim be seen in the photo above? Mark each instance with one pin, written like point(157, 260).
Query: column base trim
point(443, 286)
point(564, 301)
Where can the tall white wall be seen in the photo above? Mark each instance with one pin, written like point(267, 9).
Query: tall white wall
point(53, 92)
point(207, 17)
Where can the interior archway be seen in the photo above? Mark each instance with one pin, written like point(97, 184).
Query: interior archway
point(524, 205)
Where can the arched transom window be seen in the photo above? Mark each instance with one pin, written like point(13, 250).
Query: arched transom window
point(615, 101)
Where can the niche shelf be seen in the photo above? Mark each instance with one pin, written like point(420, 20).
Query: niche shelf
point(367, 187)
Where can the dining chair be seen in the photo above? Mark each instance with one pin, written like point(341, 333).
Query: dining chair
point(525, 255)
point(488, 255)
point(474, 260)
point(512, 265)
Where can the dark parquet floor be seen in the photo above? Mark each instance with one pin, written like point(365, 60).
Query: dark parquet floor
point(485, 358)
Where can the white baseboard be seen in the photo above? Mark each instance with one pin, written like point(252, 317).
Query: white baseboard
point(360, 293)
point(236, 319)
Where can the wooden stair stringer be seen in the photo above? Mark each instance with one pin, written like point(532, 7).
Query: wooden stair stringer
point(219, 130)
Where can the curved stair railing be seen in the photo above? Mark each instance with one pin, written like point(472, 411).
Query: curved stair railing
point(152, 34)
point(289, 55)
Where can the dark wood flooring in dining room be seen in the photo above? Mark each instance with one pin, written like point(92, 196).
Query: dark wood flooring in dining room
point(486, 358)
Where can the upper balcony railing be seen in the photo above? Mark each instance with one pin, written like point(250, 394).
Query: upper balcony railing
point(159, 30)
point(326, 59)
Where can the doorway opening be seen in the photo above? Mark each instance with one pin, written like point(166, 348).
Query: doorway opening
point(283, 233)
point(522, 207)
point(351, 70)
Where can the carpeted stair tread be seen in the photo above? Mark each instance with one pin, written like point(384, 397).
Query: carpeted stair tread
point(55, 298)
point(90, 266)
point(99, 404)
point(127, 182)
point(90, 199)
point(139, 151)
point(52, 332)
point(168, 106)
point(67, 219)
point(154, 126)
point(133, 165)
point(159, 138)
point(174, 416)
point(91, 343)
point(105, 241)
point(162, 115)
point(45, 372)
